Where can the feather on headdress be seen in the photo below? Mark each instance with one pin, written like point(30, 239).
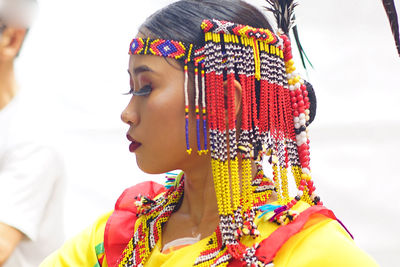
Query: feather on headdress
point(283, 11)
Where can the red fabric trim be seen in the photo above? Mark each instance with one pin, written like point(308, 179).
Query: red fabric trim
point(120, 226)
point(271, 245)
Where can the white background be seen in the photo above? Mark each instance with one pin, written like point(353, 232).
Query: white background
point(73, 68)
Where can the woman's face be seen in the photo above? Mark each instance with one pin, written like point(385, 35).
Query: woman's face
point(157, 120)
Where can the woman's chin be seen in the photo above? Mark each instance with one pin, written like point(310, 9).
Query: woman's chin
point(148, 167)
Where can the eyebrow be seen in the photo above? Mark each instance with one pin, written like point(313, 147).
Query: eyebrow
point(140, 69)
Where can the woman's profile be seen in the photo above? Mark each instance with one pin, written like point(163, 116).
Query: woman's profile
point(215, 93)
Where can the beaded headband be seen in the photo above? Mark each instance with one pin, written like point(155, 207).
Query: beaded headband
point(274, 119)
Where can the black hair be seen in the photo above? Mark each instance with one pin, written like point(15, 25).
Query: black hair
point(181, 20)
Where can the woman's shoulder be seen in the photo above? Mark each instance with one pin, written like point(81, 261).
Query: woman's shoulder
point(322, 242)
point(314, 238)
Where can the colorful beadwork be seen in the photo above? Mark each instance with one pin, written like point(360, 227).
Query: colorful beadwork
point(157, 212)
point(273, 125)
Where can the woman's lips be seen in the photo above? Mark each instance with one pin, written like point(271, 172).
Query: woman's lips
point(134, 145)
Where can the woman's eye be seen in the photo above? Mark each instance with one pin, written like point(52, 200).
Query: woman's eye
point(145, 90)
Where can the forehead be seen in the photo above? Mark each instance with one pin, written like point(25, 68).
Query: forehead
point(155, 63)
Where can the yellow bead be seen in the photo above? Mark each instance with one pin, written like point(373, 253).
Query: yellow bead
point(246, 231)
point(242, 148)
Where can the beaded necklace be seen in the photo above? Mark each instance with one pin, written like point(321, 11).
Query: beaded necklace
point(156, 212)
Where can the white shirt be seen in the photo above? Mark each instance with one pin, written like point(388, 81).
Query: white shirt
point(31, 186)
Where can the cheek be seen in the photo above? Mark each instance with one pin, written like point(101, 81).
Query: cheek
point(165, 110)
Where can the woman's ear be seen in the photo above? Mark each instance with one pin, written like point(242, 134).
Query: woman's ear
point(10, 43)
point(238, 95)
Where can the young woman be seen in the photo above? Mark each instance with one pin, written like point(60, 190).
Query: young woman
point(214, 91)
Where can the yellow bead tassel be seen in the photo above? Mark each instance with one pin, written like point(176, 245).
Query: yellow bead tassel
point(277, 184)
point(234, 164)
point(247, 194)
point(284, 184)
point(217, 184)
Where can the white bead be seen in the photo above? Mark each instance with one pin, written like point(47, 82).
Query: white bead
point(291, 87)
point(302, 121)
point(304, 140)
point(298, 85)
point(301, 141)
point(297, 125)
point(300, 193)
point(302, 116)
point(307, 118)
point(296, 119)
point(307, 111)
point(306, 171)
point(303, 134)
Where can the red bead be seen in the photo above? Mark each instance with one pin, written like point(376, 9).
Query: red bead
point(303, 182)
point(306, 99)
point(305, 93)
point(293, 99)
point(295, 113)
point(301, 109)
point(298, 92)
point(301, 188)
point(294, 105)
point(292, 94)
point(303, 87)
point(301, 103)
point(294, 201)
point(303, 147)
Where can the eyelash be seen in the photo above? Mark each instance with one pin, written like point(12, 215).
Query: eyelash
point(144, 91)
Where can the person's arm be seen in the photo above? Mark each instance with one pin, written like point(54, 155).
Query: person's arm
point(27, 176)
point(9, 239)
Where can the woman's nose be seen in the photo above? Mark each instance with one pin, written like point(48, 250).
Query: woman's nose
point(129, 115)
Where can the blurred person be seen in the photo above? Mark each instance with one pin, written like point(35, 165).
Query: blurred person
point(213, 92)
point(31, 174)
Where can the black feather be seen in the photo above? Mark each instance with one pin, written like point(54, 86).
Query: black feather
point(390, 9)
point(283, 11)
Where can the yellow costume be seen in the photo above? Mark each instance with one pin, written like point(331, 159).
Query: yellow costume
point(321, 242)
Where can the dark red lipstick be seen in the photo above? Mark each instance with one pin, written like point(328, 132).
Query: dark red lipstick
point(134, 144)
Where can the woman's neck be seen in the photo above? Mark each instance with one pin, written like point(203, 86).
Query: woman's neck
point(199, 200)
